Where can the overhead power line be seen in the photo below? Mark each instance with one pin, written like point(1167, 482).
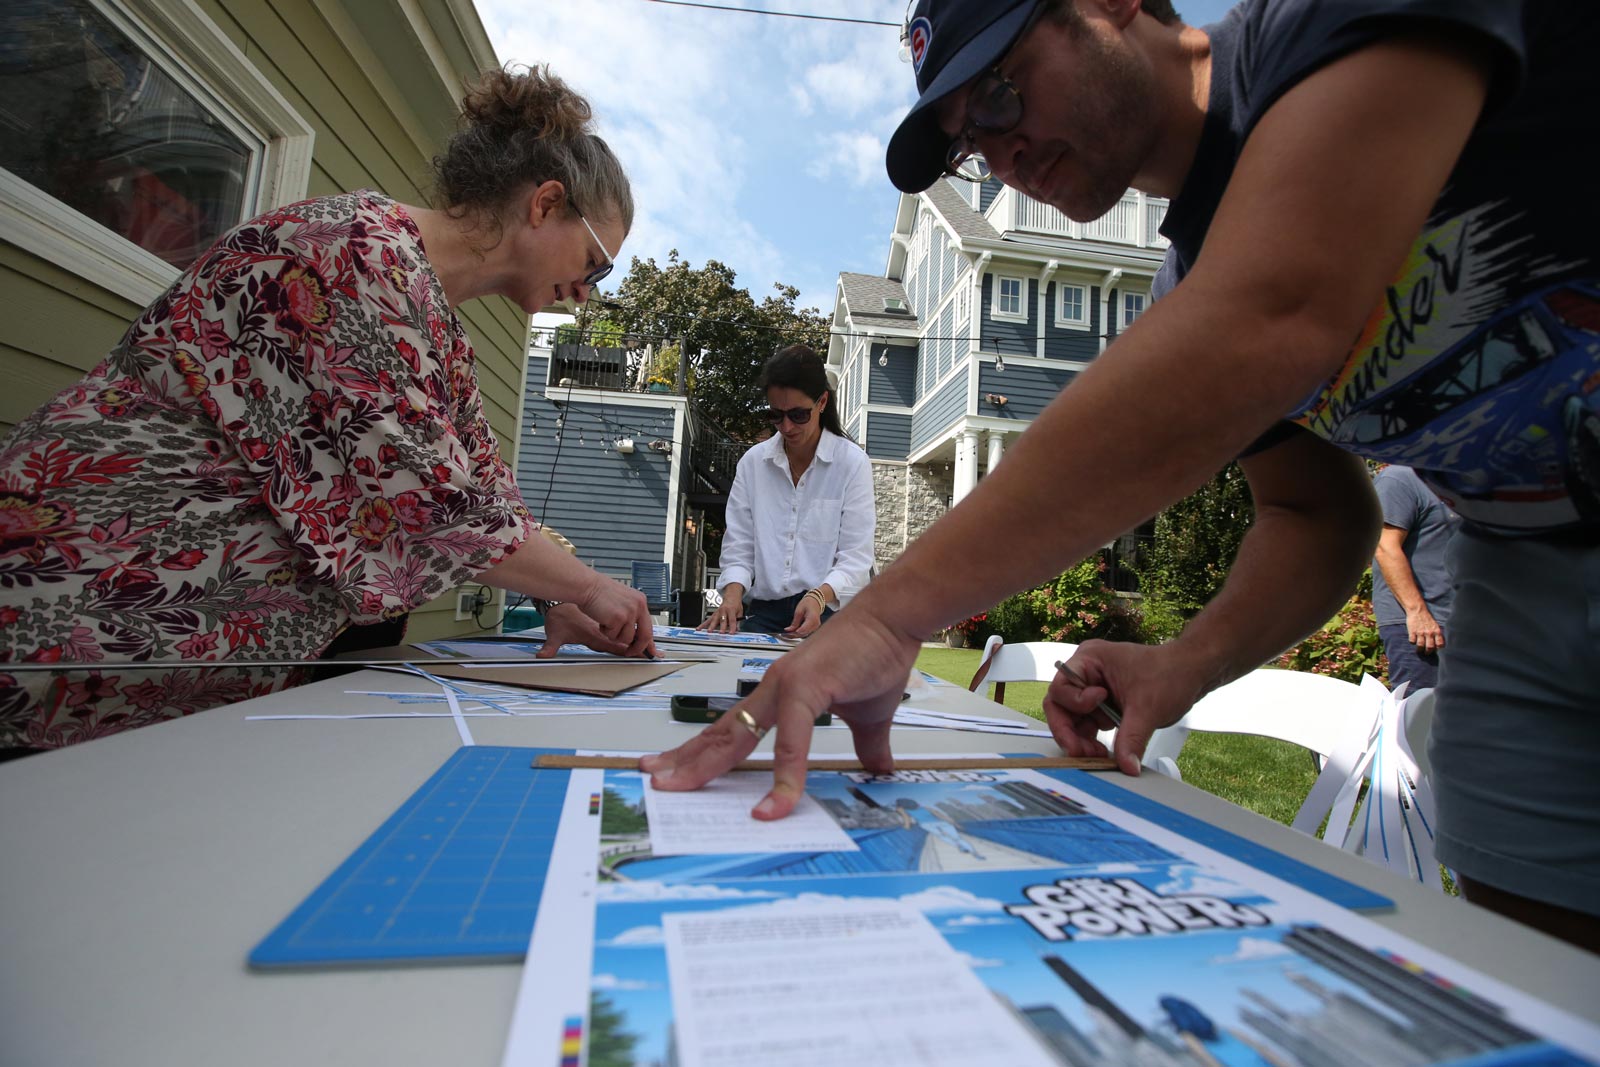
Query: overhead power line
point(778, 14)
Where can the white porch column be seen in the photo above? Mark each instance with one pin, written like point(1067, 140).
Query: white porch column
point(997, 447)
point(1045, 275)
point(966, 465)
point(1106, 310)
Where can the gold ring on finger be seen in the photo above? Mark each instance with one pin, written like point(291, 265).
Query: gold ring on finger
point(748, 721)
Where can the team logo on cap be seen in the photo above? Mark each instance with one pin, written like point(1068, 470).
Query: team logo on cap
point(919, 36)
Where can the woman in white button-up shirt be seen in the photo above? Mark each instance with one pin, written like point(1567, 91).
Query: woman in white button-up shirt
point(800, 515)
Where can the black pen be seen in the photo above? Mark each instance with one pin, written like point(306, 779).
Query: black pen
point(1105, 705)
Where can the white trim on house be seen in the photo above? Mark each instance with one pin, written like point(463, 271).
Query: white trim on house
point(188, 46)
point(680, 450)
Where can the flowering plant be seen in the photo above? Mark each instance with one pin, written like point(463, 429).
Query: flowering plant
point(968, 627)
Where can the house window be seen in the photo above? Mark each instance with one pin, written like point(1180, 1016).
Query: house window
point(962, 297)
point(1132, 308)
point(98, 124)
point(132, 136)
point(1072, 306)
point(1008, 298)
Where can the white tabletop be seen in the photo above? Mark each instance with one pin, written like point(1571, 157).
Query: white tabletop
point(138, 871)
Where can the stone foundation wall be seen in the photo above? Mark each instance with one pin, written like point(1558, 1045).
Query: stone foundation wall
point(909, 500)
point(889, 495)
point(928, 490)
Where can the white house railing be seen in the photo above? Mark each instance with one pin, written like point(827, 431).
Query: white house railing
point(1135, 220)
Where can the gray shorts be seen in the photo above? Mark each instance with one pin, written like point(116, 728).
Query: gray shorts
point(1515, 745)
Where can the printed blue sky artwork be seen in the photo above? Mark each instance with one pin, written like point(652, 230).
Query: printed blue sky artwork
point(1107, 940)
point(705, 637)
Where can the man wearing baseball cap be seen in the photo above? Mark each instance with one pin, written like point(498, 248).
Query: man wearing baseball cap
point(1383, 245)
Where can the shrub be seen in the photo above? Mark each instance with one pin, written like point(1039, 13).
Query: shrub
point(1161, 620)
point(1347, 646)
point(1074, 606)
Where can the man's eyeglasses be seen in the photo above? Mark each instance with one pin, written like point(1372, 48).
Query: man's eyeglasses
point(993, 106)
point(798, 416)
point(596, 276)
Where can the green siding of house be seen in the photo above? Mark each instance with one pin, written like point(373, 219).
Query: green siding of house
point(359, 74)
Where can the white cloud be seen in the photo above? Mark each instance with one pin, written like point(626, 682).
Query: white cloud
point(855, 154)
point(611, 981)
point(949, 898)
point(741, 134)
point(977, 961)
point(1192, 880)
point(636, 937)
point(631, 892)
point(1252, 949)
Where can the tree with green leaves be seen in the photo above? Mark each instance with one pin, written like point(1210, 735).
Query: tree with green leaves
point(1195, 542)
point(727, 333)
point(610, 1045)
point(600, 332)
point(617, 816)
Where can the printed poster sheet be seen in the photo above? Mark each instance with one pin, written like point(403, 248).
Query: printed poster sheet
point(982, 917)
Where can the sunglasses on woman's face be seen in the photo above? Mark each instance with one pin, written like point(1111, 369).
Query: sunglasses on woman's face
point(597, 274)
point(798, 416)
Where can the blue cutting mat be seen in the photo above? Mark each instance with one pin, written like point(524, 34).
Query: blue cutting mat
point(1311, 879)
point(455, 874)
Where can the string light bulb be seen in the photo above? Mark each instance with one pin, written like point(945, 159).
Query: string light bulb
point(883, 358)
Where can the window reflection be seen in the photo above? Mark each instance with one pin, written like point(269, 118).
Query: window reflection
point(88, 117)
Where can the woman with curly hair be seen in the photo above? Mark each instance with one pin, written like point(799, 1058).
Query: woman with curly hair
point(290, 444)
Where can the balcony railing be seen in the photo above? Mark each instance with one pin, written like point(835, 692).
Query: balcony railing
point(1135, 220)
point(616, 369)
point(714, 452)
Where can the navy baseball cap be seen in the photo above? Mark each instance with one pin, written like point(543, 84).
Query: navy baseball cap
point(952, 42)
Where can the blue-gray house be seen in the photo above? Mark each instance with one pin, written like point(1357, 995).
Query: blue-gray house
point(621, 468)
point(991, 303)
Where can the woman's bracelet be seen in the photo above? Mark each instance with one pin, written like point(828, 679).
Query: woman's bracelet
point(822, 601)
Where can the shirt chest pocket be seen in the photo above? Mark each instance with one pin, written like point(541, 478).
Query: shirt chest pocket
point(820, 522)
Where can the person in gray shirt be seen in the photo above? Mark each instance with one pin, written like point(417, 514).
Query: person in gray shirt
point(1411, 586)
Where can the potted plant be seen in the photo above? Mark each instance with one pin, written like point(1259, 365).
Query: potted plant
point(960, 634)
point(658, 384)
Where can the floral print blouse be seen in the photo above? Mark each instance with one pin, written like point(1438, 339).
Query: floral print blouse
point(288, 441)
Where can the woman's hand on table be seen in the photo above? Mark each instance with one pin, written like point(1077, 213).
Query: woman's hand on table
point(1153, 685)
point(856, 668)
point(807, 617)
point(566, 624)
point(725, 620)
point(621, 614)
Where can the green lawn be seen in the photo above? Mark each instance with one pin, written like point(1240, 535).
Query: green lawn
point(1269, 777)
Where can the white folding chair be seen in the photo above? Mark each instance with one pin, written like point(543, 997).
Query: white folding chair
point(1391, 820)
point(1365, 736)
point(1027, 661)
point(1035, 661)
point(1310, 710)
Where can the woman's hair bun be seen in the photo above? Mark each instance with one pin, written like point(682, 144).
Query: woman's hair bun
point(520, 128)
point(533, 100)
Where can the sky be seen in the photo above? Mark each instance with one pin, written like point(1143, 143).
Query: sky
point(752, 139)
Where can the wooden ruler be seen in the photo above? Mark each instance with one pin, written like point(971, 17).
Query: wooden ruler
point(1086, 763)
